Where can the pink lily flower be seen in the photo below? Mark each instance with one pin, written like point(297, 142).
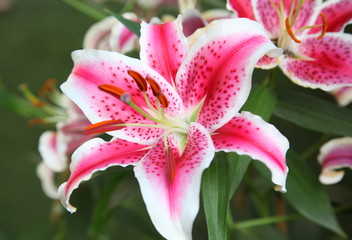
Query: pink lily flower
point(170, 111)
point(55, 147)
point(110, 34)
point(317, 54)
point(335, 155)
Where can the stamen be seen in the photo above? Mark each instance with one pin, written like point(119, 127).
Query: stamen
point(325, 26)
point(30, 96)
point(36, 121)
point(48, 86)
point(112, 90)
point(139, 79)
point(163, 100)
point(290, 32)
point(104, 126)
point(170, 165)
point(154, 85)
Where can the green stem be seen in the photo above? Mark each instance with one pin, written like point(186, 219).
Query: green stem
point(264, 221)
point(85, 9)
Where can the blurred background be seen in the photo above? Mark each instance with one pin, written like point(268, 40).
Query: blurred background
point(36, 40)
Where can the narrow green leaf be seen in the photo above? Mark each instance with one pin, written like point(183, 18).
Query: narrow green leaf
point(306, 195)
point(316, 114)
point(226, 172)
point(131, 25)
point(85, 9)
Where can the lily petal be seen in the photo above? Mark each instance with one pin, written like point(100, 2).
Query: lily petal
point(343, 95)
point(267, 62)
point(52, 149)
point(249, 134)
point(323, 63)
point(334, 155)
point(97, 36)
point(97, 155)
point(265, 13)
point(163, 47)
point(338, 14)
point(94, 68)
point(173, 205)
point(219, 67)
point(243, 8)
point(47, 179)
point(122, 40)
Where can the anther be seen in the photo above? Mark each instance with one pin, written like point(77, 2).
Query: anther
point(36, 121)
point(48, 86)
point(154, 85)
point(163, 100)
point(139, 79)
point(104, 126)
point(290, 32)
point(170, 165)
point(325, 26)
point(112, 90)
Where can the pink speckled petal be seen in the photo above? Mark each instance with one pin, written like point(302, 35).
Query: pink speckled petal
point(163, 47)
point(333, 156)
point(249, 134)
point(97, 155)
point(343, 95)
point(122, 40)
point(52, 149)
point(267, 62)
point(173, 205)
point(243, 8)
point(266, 14)
point(322, 63)
point(96, 67)
point(47, 179)
point(219, 66)
point(97, 36)
point(338, 14)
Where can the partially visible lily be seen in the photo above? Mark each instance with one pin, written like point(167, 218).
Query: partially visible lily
point(317, 53)
point(343, 95)
point(170, 112)
point(335, 155)
point(55, 147)
point(111, 34)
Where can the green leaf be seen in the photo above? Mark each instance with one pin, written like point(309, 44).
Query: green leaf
point(261, 101)
point(316, 114)
point(219, 183)
point(306, 195)
point(131, 25)
point(226, 172)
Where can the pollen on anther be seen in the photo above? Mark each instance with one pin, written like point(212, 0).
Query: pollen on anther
point(139, 79)
point(154, 85)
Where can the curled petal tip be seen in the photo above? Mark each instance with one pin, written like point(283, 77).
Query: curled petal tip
point(279, 188)
point(64, 197)
point(277, 52)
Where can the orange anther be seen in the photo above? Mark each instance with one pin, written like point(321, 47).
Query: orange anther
point(112, 90)
point(154, 85)
point(48, 86)
point(139, 79)
point(36, 121)
point(290, 32)
point(163, 100)
point(104, 126)
point(170, 165)
point(325, 26)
